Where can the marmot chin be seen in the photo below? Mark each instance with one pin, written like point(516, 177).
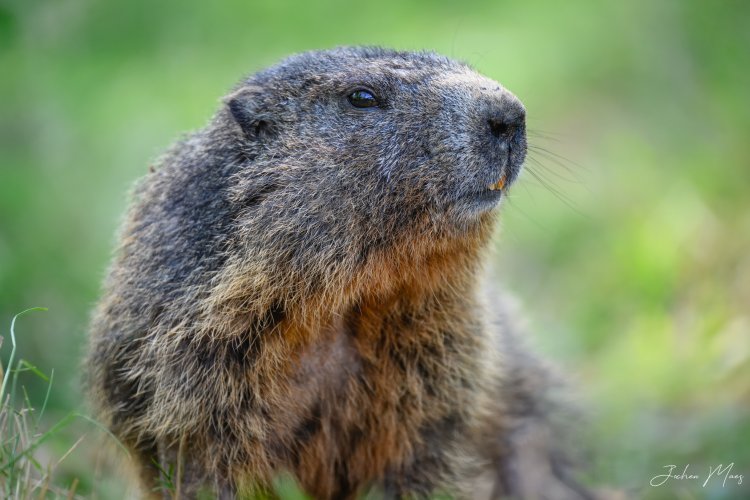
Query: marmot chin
point(297, 290)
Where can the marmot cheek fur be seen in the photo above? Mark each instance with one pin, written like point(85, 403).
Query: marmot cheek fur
point(296, 290)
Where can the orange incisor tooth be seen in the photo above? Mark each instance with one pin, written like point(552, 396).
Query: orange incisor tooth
point(501, 182)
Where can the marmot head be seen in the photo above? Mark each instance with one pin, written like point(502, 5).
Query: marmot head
point(349, 150)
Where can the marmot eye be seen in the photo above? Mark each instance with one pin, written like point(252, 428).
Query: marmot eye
point(363, 99)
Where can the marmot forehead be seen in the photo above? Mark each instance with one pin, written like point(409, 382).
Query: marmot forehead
point(351, 59)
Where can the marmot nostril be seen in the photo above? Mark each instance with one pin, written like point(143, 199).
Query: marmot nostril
point(501, 129)
point(506, 128)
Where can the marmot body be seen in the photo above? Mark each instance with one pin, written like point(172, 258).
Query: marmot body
point(297, 291)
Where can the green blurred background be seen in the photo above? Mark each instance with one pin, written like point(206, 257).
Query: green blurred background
point(627, 238)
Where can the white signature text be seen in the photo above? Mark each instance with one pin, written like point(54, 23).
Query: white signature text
point(719, 472)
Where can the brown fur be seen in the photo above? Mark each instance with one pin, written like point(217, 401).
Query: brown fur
point(297, 290)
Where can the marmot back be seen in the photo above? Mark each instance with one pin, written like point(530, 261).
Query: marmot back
point(296, 290)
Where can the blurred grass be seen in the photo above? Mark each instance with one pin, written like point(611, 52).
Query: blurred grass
point(631, 253)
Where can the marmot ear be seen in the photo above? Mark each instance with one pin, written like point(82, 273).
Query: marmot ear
point(246, 109)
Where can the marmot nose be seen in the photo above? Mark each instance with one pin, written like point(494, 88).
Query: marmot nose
point(507, 126)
